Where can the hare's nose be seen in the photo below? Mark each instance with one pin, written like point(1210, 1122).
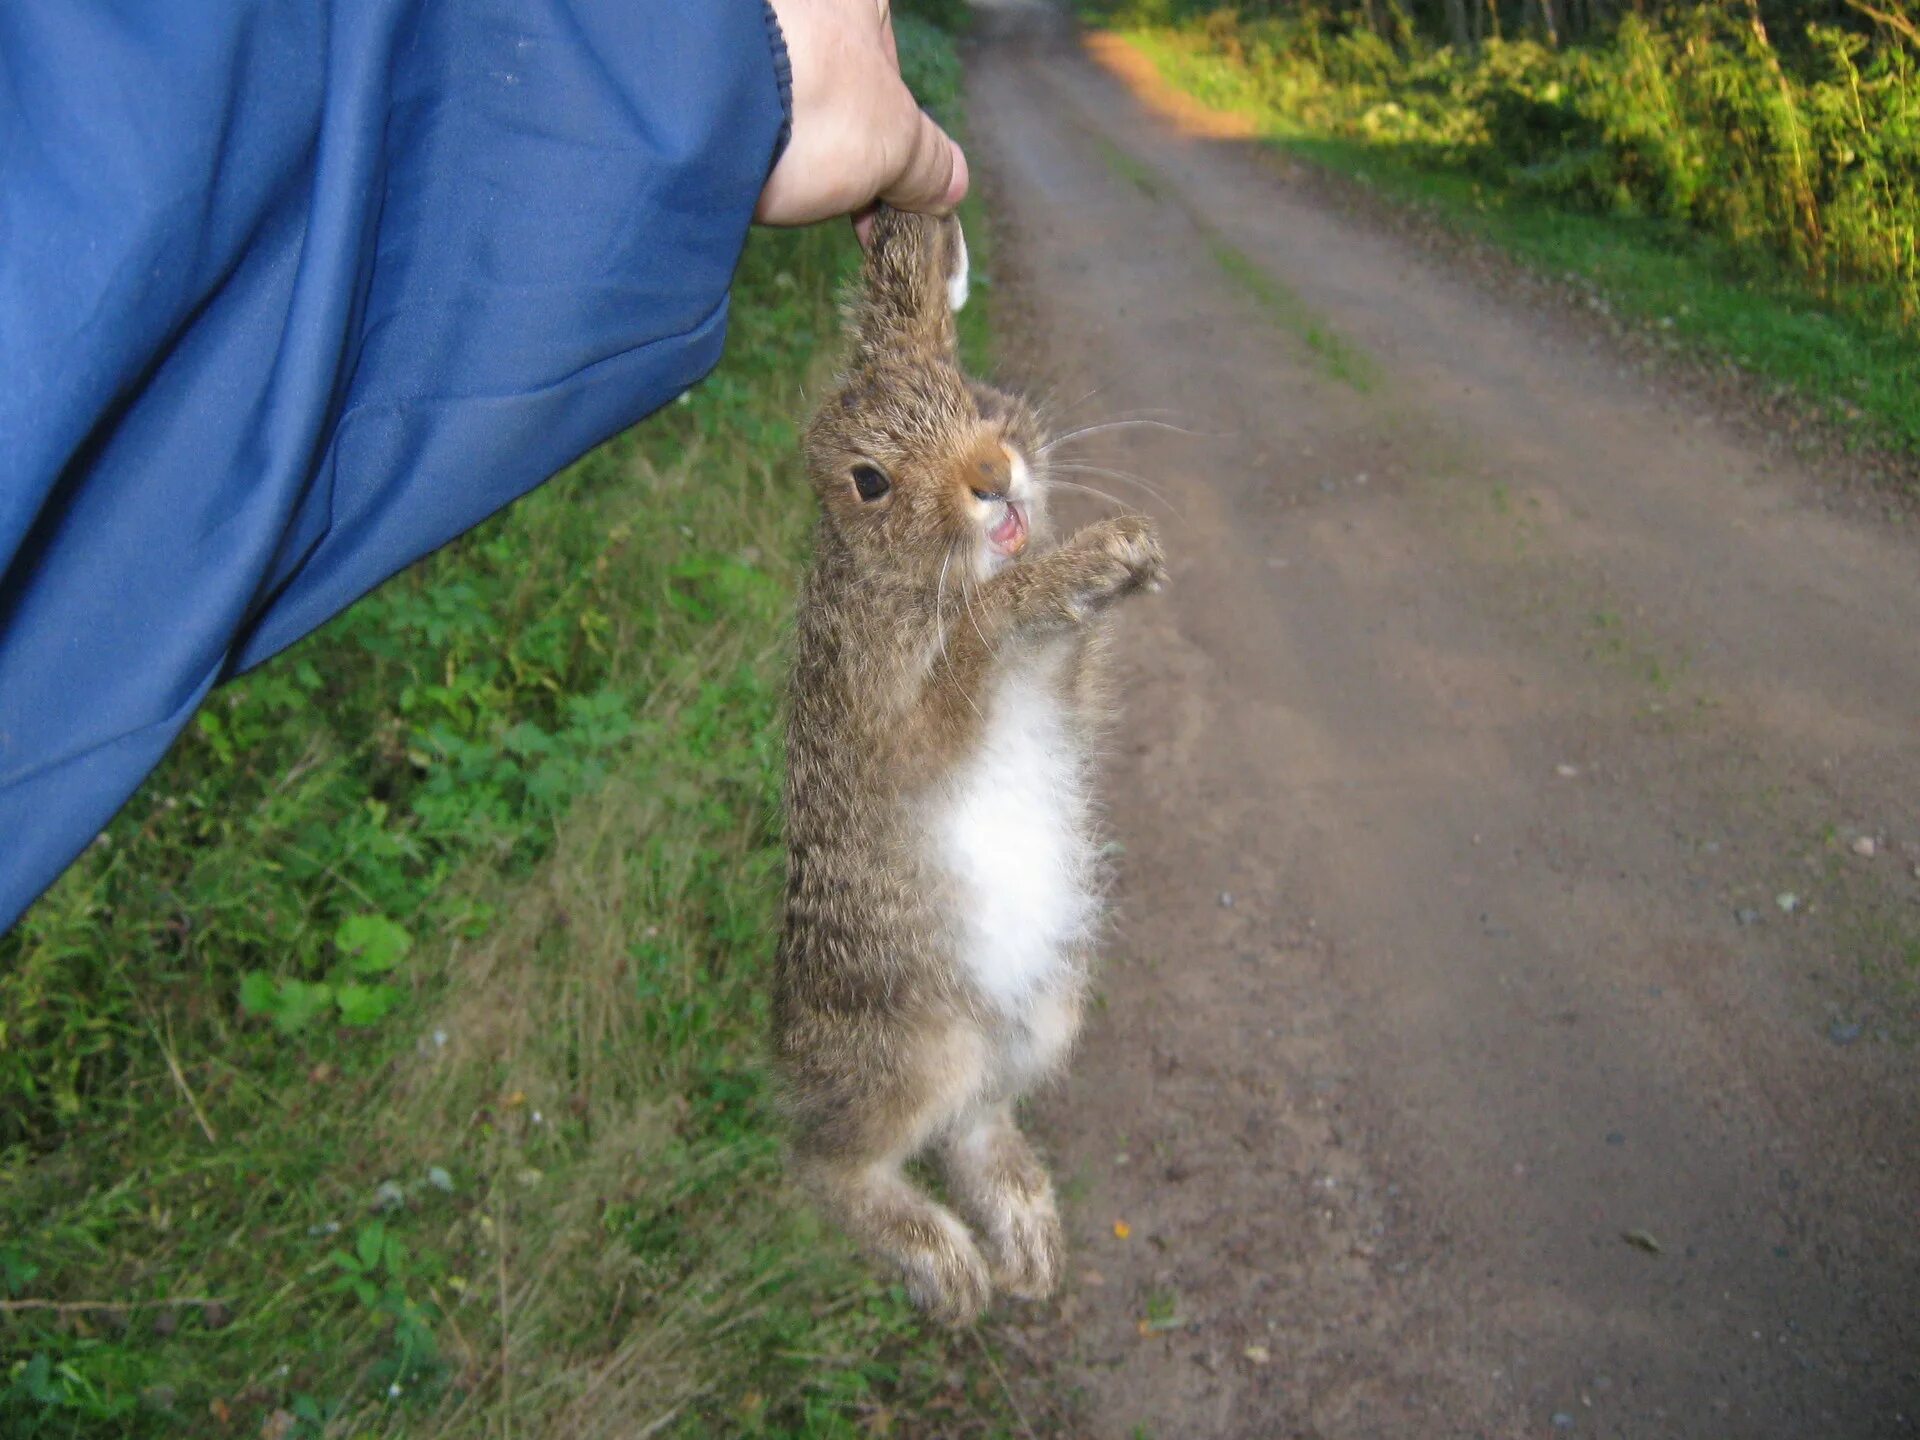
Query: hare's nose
point(992, 477)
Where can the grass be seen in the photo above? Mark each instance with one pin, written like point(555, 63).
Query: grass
point(1129, 168)
point(1865, 906)
point(1162, 1313)
point(1853, 359)
point(1337, 356)
point(392, 1067)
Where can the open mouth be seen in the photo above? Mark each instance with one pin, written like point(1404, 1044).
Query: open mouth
point(1009, 536)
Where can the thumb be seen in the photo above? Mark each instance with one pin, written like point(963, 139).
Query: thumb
point(933, 174)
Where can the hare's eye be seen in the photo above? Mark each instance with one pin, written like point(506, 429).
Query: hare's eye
point(871, 481)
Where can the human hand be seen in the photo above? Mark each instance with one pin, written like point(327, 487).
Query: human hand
point(857, 135)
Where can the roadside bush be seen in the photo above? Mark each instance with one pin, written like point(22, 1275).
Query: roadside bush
point(1809, 157)
point(952, 16)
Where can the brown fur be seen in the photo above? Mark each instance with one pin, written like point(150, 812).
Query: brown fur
point(884, 1046)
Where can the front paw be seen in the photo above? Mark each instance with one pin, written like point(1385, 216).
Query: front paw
point(1125, 555)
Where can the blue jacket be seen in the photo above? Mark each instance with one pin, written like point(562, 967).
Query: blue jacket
point(293, 292)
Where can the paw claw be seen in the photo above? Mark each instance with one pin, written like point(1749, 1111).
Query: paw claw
point(1027, 1249)
point(951, 1286)
point(1132, 556)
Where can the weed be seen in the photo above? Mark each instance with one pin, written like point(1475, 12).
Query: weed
point(1340, 358)
point(1128, 168)
point(376, 1273)
point(1163, 1310)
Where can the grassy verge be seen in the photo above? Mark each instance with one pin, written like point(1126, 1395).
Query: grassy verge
point(1846, 350)
point(391, 1067)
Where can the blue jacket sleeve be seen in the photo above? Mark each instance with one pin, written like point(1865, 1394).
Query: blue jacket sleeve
point(292, 293)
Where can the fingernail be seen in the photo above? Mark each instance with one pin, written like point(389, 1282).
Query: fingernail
point(957, 187)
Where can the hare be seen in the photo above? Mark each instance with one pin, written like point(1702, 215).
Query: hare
point(943, 867)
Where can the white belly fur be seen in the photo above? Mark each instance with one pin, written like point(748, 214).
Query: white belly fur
point(1014, 835)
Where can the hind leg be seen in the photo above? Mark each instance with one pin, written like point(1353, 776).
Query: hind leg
point(894, 1220)
point(851, 1160)
point(1002, 1187)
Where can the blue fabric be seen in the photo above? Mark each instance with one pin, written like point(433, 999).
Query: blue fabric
point(292, 293)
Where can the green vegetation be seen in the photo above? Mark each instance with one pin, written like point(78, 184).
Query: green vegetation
point(1871, 930)
point(1129, 168)
point(391, 1065)
point(1339, 357)
point(1754, 193)
point(954, 17)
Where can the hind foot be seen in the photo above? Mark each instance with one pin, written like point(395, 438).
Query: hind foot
point(1026, 1247)
point(925, 1242)
point(946, 1277)
point(1001, 1186)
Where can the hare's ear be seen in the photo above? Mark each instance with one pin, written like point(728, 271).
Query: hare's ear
point(914, 278)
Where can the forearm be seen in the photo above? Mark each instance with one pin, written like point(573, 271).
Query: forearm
point(291, 295)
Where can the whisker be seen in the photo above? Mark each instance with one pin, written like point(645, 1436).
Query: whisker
point(1050, 405)
point(1054, 484)
point(1073, 405)
point(939, 591)
point(1137, 412)
point(939, 597)
point(1095, 467)
point(1147, 412)
point(1140, 423)
point(967, 600)
point(1083, 467)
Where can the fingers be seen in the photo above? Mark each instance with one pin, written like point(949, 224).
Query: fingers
point(933, 175)
point(858, 135)
point(947, 179)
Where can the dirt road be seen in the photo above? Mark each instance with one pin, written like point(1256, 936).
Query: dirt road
point(1504, 1032)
